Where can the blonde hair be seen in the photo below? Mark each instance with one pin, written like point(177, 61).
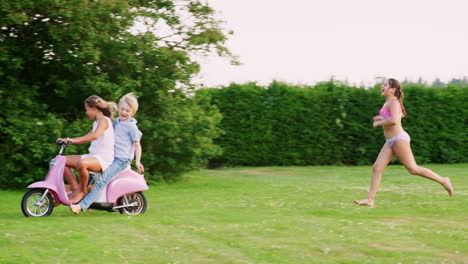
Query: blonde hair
point(131, 100)
point(107, 108)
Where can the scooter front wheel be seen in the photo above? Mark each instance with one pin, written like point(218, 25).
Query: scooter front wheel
point(36, 204)
point(135, 203)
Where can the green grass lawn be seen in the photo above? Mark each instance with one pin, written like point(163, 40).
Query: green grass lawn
point(257, 215)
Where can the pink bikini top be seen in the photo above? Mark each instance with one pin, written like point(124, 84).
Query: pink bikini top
point(385, 113)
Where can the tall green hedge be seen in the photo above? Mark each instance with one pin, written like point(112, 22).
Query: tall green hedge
point(331, 123)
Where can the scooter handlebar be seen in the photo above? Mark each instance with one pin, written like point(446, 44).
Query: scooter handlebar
point(61, 142)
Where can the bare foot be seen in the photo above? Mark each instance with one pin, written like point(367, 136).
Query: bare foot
point(75, 208)
point(448, 186)
point(77, 196)
point(367, 202)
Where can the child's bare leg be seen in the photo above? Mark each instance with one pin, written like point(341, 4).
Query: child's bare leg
point(71, 162)
point(83, 169)
point(385, 156)
point(70, 177)
point(403, 151)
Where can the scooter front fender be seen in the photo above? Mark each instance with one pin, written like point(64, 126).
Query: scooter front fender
point(44, 185)
point(54, 181)
point(126, 182)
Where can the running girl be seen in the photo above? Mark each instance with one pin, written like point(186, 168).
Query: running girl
point(397, 142)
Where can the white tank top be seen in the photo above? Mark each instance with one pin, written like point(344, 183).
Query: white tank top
point(104, 144)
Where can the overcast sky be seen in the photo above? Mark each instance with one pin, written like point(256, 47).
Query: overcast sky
point(306, 41)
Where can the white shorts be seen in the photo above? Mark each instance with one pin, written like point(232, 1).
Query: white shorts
point(105, 163)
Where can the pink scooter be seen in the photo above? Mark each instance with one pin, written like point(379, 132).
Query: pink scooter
point(123, 193)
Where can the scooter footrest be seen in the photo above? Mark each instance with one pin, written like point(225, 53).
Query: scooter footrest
point(102, 206)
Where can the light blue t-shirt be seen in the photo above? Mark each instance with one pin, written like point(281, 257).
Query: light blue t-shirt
point(126, 132)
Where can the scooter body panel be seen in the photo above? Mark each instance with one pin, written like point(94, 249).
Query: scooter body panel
point(126, 182)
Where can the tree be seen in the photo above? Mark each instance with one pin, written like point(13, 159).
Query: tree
point(54, 54)
point(461, 81)
point(438, 83)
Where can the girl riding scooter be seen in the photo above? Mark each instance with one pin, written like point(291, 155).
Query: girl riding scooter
point(101, 151)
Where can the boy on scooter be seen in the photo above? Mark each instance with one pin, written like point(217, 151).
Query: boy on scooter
point(127, 146)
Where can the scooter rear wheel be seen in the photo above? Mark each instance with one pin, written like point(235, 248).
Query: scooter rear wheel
point(31, 205)
point(138, 199)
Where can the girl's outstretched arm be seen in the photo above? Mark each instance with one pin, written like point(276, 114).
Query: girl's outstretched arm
point(101, 127)
point(68, 140)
